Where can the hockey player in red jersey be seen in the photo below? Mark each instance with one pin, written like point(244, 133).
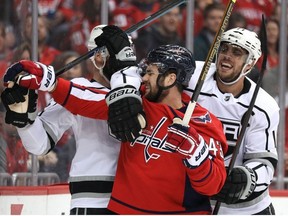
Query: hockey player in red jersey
point(168, 168)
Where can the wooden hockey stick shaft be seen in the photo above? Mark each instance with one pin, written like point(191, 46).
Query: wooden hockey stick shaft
point(212, 51)
point(251, 105)
point(133, 28)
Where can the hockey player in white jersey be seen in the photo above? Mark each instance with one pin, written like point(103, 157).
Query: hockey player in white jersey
point(94, 164)
point(227, 93)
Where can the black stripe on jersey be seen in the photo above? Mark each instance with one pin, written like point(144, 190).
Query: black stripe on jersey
point(272, 160)
point(91, 187)
point(201, 93)
point(200, 206)
point(252, 196)
point(52, 143)
point(65, 101)
point(123, 76)
point(267, 118)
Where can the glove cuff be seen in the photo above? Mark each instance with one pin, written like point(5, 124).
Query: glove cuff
point(251, 181)
point(122, 92)
point(126, 54)
point(199, 156)
point(48, 80)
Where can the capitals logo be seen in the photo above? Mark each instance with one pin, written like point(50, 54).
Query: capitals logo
point(203, 118)
point(152, 141)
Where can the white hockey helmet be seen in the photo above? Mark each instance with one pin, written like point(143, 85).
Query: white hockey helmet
point(246, 39)
point(249, 41)
point(96, 31)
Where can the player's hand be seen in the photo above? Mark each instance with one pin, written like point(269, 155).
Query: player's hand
point(187, 143)
point(36, 75)
point(113, 38)
point(20, 104)
point(239, 185)
point(119, 47)
point(126, 117)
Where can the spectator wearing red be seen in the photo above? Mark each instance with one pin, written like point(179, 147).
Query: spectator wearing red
point(252, 10)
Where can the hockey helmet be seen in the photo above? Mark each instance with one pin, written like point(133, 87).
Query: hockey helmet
point(173, 57)
point(96, 31)
point(246, 39)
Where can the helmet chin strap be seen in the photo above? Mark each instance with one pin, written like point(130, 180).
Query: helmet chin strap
point(100, 68)
point(238, 78)
point(161, 88)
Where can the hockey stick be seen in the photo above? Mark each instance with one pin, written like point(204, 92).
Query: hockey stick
point(133, 28)
point(212, 51)
point(251, 105)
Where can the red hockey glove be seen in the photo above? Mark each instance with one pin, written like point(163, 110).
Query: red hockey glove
point(38, 76)
point(188, 143)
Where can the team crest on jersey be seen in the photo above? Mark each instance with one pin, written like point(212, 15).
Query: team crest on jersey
point(151, 141)
point(203, 118)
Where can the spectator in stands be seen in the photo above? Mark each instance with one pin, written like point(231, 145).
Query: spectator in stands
point(65, 58)
point(16, 154)
point(273, 40)
point(5, 51)
point(252, 10)
point(46, 53)
point(236, 20)
point(79, 30)
point(213, 14)
point(165, 31)
point(126, 14)
point(200, 5)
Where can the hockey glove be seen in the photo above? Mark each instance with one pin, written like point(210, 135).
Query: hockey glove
point(239, 185)
point(113, 38)
point(126, 117)
point(20, 104)
point(187, 143)
point(119, 47)
point(38, 76)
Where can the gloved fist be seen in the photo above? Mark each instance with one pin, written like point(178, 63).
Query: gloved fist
point(38, 76)
point(126, 117)
point(20, 104)
point(239, 185)
point(113, 38)
point(188, 143)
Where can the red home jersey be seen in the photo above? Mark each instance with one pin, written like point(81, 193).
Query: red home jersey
point(150, 179)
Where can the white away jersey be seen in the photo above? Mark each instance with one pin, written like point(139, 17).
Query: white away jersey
point(258, 149)
point(96, 151)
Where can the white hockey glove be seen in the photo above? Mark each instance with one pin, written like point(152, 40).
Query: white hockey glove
point(20, 104)
point(38, 75)
point(239, 185)
point(187, 143)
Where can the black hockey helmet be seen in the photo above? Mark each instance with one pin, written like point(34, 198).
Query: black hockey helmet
point(173, 57)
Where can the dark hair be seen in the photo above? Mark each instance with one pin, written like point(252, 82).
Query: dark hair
point(211, 7)
point(19, 51)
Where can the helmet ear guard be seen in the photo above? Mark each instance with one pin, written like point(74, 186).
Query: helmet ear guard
point(176, 58)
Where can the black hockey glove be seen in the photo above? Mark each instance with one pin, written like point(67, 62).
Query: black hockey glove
point(119, 47)
point(126, 117)
point(20, 104)
point(113, 38)
point(239, 185)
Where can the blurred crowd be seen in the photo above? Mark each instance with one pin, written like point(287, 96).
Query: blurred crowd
point(63, 30)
